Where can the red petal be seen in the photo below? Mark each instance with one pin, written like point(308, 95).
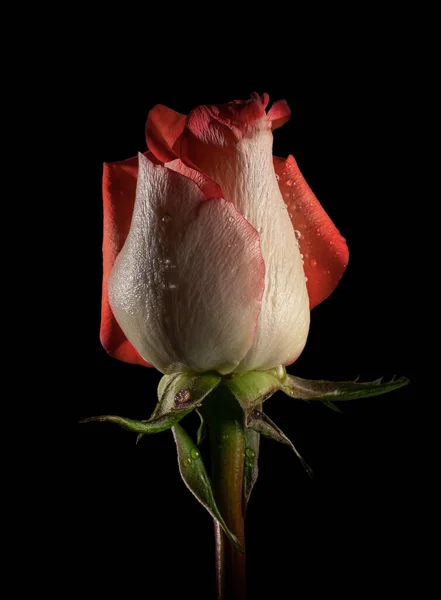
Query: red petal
point(324, 250)
point(279, 113)
point(212, 132)
point(163, 128)
point(119, 191)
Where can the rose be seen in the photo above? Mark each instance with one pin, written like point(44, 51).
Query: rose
point(214, 250)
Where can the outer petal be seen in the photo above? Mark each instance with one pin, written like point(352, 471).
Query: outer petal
point(163, 128)
point(204, 183)
point(232, 144)
point(324, 249)
point(187, 286)
point(119, 190)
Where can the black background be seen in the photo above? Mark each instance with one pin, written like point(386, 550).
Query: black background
point(354, 528)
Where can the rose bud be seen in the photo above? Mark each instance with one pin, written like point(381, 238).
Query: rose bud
point(214, 250)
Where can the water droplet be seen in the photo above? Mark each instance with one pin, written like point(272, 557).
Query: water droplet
point(301, 255)
point(277, 177)
point(283, 172)
point(194, 454)
point(187, 461)
point(313, 262)
point(298, 234)
point(294, 182)
point(248, 463)
point(290, 215)
point(306, 279)
point(181, 397)
point(168, 264)
point(289, 183)
point(172, 286)
point(166, 219)
point(230, 219)
point(250, 452)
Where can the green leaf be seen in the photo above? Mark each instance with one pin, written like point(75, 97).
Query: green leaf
point(252, 388)
point(196, 479)
point(260, 422)
point(179, 395)
point(251, 464)
point(202, 430)
point(305, 389)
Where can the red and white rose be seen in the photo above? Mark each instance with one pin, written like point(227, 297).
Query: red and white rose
point(214, 250)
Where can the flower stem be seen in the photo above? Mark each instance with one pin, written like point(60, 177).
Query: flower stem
point(226, 426)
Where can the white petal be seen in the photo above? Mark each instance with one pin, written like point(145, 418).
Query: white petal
point(186, 288)
point(248, 180)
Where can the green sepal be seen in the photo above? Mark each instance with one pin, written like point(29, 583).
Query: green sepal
point(178, 396)
point(331, 405)
point(254, 387)
point(260, 422)
point(336, 391)
point(251, 464)
point(202, 429)
point(195, 477)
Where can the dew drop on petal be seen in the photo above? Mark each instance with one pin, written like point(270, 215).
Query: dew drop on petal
point(289, 183)
point(298, 234)
point(250, 452)
point(187, 461)
point(194, 454)
point(277, 177)
point(313, 262)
